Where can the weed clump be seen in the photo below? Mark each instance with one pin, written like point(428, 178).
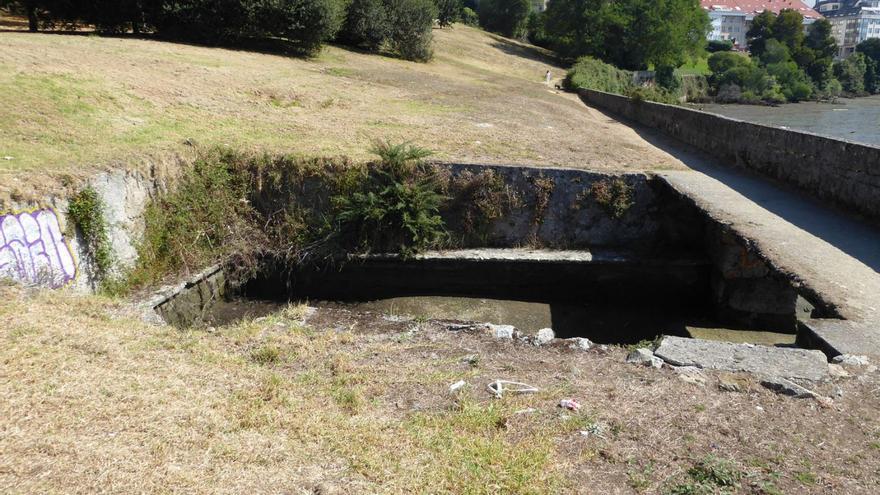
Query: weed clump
point(86, 211)
point(615, 196)
point(476, 200)
point(397, 205)
point(711, 475)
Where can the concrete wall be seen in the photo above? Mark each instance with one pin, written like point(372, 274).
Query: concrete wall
point(840, 172)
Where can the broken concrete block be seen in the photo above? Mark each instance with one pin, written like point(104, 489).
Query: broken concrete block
point(851, 360)
point(644, 357)
point(544, 336)
point(502, 331)
point(787, 387)
point(785, 362)
point(579, 343)
point(691, 374)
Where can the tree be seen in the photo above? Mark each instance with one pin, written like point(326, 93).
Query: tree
point(760, 31)
point(411, 23)
point(366, 25)
point(788, 28)
point(448, 11)
point(631, 34)
point(507, 17)
point(820, 39)
point(851, 73)
point(871, 49)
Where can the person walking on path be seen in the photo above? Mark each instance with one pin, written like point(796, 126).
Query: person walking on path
point(547, 77)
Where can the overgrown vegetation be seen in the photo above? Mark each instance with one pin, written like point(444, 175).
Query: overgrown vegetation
point(590, 73)
point(86, 212)
point(241, 209)
point(267, 212)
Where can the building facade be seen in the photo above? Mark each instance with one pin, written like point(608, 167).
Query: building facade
point(852, 21)
point(731, 19)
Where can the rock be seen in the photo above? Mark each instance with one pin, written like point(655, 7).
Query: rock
point(644, 357)
point(544, 336)
point(837, 371)
point(851, 360)
point(729, 382)
point(787, 387)
point(579, 343)
point(502, 331)
point(691, 374)
point(785, 362)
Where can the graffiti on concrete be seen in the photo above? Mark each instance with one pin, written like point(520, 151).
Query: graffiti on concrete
point(33, 250)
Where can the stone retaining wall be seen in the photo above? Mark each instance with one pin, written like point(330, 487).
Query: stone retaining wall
point(841, 172)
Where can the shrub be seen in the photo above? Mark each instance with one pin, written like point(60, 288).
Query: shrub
point(666, 78)
point(590, 73)
point(719, 46)
point(398, 206)
point(469, 17)
point(208, 21)
point(366, 24)
point(411, 23)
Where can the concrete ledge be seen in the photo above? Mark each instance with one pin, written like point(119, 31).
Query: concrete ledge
point(187, 302)
point(835, 337)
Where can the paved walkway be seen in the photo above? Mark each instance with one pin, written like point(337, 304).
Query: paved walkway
point(828, 251)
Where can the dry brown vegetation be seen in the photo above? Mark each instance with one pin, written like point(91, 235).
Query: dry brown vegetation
point(72, 103)
point(93, 400)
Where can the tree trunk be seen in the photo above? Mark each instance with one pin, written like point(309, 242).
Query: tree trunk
point(32, 16)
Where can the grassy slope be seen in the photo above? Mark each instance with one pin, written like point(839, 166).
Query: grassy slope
point(68, 101)
point(92, 400)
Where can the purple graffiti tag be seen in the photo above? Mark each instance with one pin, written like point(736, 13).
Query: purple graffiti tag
point(33, 250)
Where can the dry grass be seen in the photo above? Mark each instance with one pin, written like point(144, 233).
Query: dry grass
point(92, 400)
point(73, 102)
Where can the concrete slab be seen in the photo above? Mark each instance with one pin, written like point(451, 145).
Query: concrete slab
point(783, 362)
point(839, 336)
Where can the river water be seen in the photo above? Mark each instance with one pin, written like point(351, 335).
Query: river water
point(853, 119)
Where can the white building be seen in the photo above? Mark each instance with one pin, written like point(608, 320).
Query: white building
point(852, 21)
point(731, 19)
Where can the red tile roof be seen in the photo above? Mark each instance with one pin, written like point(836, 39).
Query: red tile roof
point(758, 6)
